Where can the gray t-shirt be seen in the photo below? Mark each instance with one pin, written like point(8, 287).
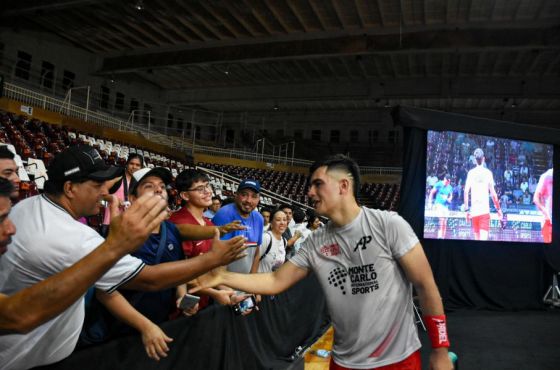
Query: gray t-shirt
point(368, 294)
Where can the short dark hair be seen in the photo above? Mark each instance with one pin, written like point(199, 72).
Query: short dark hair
point(132, 156)
point(311, 219)
point(188, 177)
point(6, 153)
point(286, 205)
point(274, 211)
point(340, 162)
point(217, 197)
point(298, 216)
point(6, 188)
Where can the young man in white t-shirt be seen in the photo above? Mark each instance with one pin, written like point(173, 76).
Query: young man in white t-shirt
point(480, 185)
point(365, 261)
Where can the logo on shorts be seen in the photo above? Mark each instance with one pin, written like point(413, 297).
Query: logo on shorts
point(337, 277)
point(170, 246)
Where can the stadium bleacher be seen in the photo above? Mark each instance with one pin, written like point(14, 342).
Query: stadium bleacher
point(37, 142)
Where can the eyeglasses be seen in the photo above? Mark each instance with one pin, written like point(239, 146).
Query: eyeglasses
point(202, 188)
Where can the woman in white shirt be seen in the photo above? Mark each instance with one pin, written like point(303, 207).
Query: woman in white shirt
point(273, 247)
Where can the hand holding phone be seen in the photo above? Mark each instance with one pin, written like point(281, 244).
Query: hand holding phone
point(245, 305)
point(188, 301)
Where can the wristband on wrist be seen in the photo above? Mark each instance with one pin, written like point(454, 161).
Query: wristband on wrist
point(437, 330)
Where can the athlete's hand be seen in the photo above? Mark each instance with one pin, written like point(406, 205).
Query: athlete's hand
point(232, 226)
point(226, 251)
point(209, 280)
point(439, 359)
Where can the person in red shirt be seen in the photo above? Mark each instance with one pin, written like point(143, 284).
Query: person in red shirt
point(196, 195)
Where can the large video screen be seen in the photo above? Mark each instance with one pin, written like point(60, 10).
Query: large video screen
point(487, 188)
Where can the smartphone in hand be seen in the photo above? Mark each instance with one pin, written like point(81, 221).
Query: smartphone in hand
point(188, 301)
point(245, 305)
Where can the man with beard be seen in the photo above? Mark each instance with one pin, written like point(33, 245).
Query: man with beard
point(9, 170)
point(28, 308)
point(51, 239)
point(366, 261)
point(243, 209)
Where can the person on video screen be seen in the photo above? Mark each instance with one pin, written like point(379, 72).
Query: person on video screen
point(480, 185)
point(543, 201)
point(443, 193)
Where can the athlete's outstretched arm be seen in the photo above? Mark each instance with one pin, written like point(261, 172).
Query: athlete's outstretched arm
point(269, 283)
point(419, 273)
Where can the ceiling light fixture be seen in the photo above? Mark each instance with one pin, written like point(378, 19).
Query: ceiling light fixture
point(139, 5)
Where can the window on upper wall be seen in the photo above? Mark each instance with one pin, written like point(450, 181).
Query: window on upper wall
point(316, 135)
point(47, 74)
point(169, 120)
point(354, 136)
point(393, 136)
point(68, 80)
point(230, 136)
point(335, 136)
point(23, 65)
point(119, 101)
point(197, 132)
point(104, 102)
point(212, 133)
point(298, 134)
point(373, 136)
point(134, 105)
point(180, 124)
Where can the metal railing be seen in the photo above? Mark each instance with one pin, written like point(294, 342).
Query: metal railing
point(274, 196)
point(39, 99)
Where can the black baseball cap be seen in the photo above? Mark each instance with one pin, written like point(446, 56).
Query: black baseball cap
point(81, 162)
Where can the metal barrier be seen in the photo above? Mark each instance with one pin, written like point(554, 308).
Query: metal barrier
point(46, 102)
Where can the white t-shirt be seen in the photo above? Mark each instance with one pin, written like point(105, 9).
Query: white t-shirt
point(367, 292)
point(275, 257)
point(48, 240)
point(479, 179)
point(305, 232)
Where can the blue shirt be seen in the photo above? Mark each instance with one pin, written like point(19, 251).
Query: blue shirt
point(443, 193)
point(157, 306)
point(254, 224)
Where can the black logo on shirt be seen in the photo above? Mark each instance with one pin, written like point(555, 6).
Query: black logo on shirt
point(337, 277)
point(363, 279)
point(363, 242)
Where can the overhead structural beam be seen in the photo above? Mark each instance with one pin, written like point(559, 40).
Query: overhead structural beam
point(422, 41)
point(15, 8)
point(413, 88)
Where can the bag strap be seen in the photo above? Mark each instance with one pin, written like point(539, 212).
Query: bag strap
point(267, 248)
point(125, 187)
point(162, 242)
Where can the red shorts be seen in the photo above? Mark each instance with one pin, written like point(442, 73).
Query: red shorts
point(412, 362)
point(547, 232)
point(481, 222)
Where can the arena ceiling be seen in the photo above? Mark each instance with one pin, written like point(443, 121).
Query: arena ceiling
point(319, 55)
